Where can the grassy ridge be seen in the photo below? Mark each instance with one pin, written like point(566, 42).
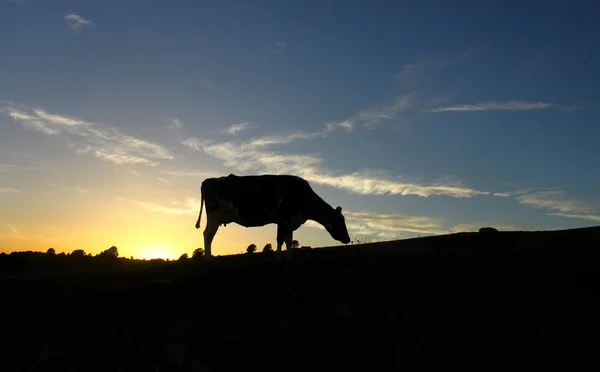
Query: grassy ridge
point(497, 300)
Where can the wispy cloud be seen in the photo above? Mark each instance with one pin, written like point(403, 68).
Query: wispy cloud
point(164, 180)
point(401, 110)
point(12, 229)
point(195, 142)
point(189, 206)
point(75, 189)
point(558, 202)
point(234, 129)
point(104, 142)
point(175, 124)
point(279, 47)
point(389, 225)
point(511, 105)
point(268, 140)
point(373, 116)
point(254, 155)
point(8, 190)
point(347, 125)
point(13, 167)
point(425, 68)
point(76, 21)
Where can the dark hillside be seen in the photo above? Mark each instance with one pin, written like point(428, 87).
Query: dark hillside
point(507, 300)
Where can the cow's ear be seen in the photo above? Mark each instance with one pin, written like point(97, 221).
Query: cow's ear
point(339, 210)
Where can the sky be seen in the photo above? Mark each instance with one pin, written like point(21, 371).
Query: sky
point(417, 118)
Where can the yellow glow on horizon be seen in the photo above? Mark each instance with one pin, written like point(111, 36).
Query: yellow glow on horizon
point(151, 251)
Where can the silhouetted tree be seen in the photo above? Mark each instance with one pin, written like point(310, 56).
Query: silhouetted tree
point(295, 244)
point(51, 251)
point(183, 257)
point(251, 248)
point(78, 253)
point(110, 252)
point(268, 248)
point(198, 253)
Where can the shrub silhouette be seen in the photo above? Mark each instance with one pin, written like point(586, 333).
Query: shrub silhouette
point(268, 248)
point(251, 248)
point(198, 253)
point(110, 252)
point(78, 253)
point(51, 251)
point(183, 257)
point(295, 244)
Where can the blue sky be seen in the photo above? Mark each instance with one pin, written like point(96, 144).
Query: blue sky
point(416, 117)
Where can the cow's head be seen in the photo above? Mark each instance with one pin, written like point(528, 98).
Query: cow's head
point(336, 226)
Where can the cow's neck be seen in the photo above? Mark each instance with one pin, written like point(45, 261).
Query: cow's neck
point(319, 210)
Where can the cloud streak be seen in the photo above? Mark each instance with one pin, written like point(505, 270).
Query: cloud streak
point(389, 225)
point(8, 190)
point(506, 106)
point(78, 190)
point(234, 129)
point(12, 229)
point(76, 21)
point(255, 155)
point(189, 206)
point(425, 68)
point(104, 142)
point(175, 124)
point(372, 117)
point(559, 203)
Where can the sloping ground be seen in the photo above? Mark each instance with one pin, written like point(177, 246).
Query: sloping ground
point(518, 300)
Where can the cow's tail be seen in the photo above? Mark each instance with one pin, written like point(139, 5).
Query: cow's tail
point(201, 205)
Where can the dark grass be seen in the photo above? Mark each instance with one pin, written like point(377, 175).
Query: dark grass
point(511, 300)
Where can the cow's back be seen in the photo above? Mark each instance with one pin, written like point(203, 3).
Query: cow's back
point(258, 197)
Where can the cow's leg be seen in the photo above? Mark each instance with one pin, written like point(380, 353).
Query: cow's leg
point(212, 225)
point(284, 235)
point(280, 239)
point(288, 242)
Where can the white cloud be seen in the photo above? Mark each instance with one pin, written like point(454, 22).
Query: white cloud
point(175, 124)
point(8, 190)
point(163, 180)
point(389, 225)
point(591, 217)
point(279, 47)
point(104, 142)
point(375, 182)
point(502, 194)
point(76, 21)
point(347, 125)
point(511, 105)
point(195, 142)
point(560, 203)
point(252, 156)
point(373, 116)
point(268, 140)
point(234, 129)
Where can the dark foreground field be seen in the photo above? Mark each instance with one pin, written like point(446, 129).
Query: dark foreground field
point(505, 301)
